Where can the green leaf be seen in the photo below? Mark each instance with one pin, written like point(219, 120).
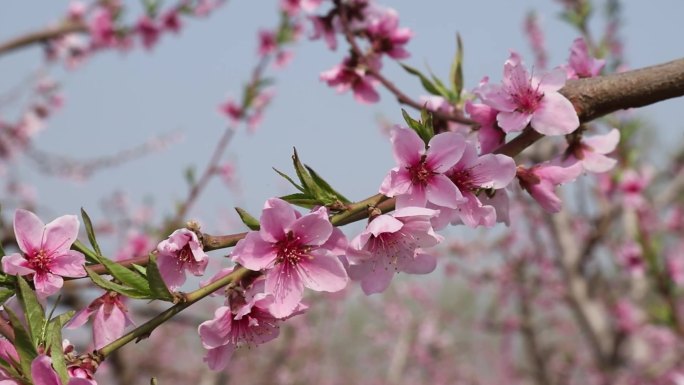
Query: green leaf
point(89, 230)
point(157, 286)
point(305, 178)
point(125, 275)
point(302, 200)
point(298, 187)
point(111, 286)
point(56, 351)
point(5, 294)
point(414, 124)
point(140, 269)
point(427, 84)
point(90, 255)
point(325, 186)
point(34, 312)
point(22, 342)
point(190, 176)
point(249, 221)
point(428, 129)
point(456, 73)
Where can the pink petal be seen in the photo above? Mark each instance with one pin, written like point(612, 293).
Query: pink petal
point(106, 329)
point(384, 224)
point(60, 234)
point(445, 151)
point(217, 358)
point(595, 162)
point(214, 332)
point(407, 146)
point(28, 230)
point(603, 144)
point(336, 243)
point(421, 263)
point(171, 271)
point(364, 92)
point(323, 273)
point(555, 115)
point(47, 283)
point(42, 372)
point(474, 213)
point(254, 253)
point(69, 264)
point(494, 171)
point(287, 289)
point(557, 175)
point(80, 318)
point(80, 381)
point(416, 197)
point(513, 121)
point(15, 264)
point(397, 182)
point(552, 81)
point(314, 228)
point(544, 193)
point(496, 97)
point(276, 219)
point(443, 192)
point(378, 279)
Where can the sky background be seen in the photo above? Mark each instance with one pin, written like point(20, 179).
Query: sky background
point(115, 101)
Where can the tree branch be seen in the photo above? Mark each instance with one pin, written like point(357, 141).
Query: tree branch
point(41, 36)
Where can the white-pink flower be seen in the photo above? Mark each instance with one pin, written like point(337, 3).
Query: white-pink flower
point(391, 243)
point(111, 318)
point(471, 174)
point(581, 64)
point(42, 373)
point(46, 254)
point(294, 251)
point(522, 99)
point(591, 152)
point(349, 75)
point(179, 253)
point(419, 176)
point(386, 37)
point(541, 182)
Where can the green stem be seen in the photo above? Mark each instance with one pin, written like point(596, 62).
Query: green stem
point(144, 330)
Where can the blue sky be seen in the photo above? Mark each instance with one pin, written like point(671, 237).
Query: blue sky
point(116, 101)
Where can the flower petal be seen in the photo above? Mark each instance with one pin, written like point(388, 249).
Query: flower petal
point(276, 219)
point(16, 264)
point(314, 228)
point(407, 146)
point(494, 171)
point(555, 115)
point(603, 144)
point(378, 279)
point(107, 328)
point(47, 283)
point(42, 372)
point(28, 230)
point(323, 273)
point(287, 289)
point(253, 252)
point(513, 121)
point(69, 264)
point(443, 192)
point(60, 234)
point(445, 150)
point(421, 263)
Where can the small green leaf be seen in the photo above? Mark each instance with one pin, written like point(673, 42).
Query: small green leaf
point(125, 275)
point(5, 294)
point(298, 187)
point(154, 278)
point(302, 200)
point(414, 124)
point(325, 186)
point(456, 74)
point(56, 351)
point(190, 176)
point(7, 280)
point(427, 84)
point(89, 230)
point(249, 221)
point(111, 286)
point(90, 255)
point(140, 269)
point(22, 342)
point(304, 177)
point(34, 312)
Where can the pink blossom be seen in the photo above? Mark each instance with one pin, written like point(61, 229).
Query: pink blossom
point(232, 110)
point(76, 10)
point(391, 243)
point(523, 99)
point(294, 251)
point(630, 257)
point(47, 257)
point(171, 21)
point(541, 182)
point(591, 152)
point(627, 316)
point(136, 244)
point(472, 174)
point(323, 28)
point(243, 320)
point(111, 318)
point(349, 75)
point(149, 31)
point(267, 42)
point(633, 185)
point(489, 134)
point(580, 63)
point(181, 251)
point(42, 373)
point(283, 58)
point(294, 7)
point(419, 176)
point(386, 37)
point(102, 28)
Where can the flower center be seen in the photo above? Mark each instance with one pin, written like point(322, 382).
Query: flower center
point(39, 261)
point(185, 256)
point(463, 179)
point(420, 173)
point(525, 96)
point(291, 251)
